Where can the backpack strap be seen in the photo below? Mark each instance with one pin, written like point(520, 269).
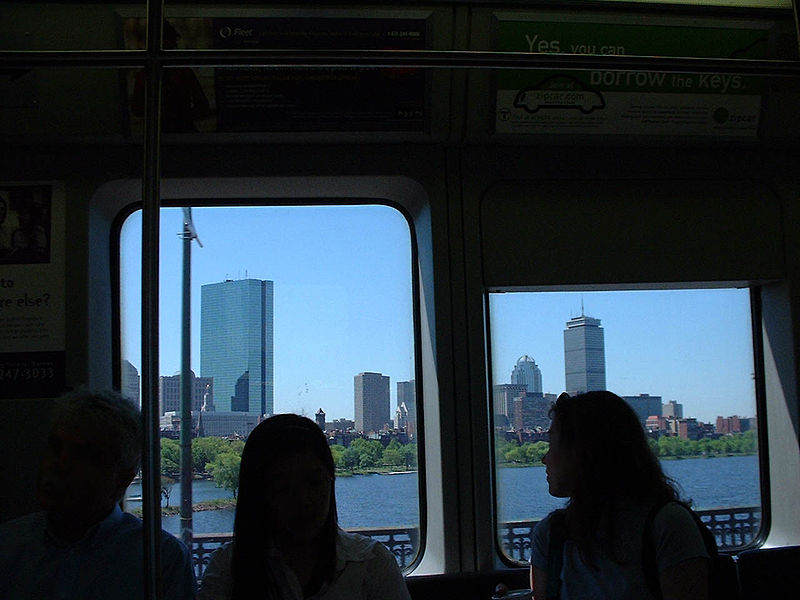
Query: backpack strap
point(555, 554)
point(649, 562)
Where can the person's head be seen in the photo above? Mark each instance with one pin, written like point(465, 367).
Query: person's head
point(286, 493)
point(92, 454)
point(599, 450)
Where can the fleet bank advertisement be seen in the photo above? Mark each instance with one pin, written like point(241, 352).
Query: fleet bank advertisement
point(632, 102)
point(32, 290)
point(290, 100)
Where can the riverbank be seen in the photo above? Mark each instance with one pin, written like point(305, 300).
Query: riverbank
point(170, 511)
point(538, 463)
point(373, 471)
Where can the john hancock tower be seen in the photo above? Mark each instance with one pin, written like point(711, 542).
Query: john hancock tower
point(236, 344)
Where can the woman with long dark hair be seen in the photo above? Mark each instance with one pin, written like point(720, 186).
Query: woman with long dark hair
point(621, 505)
point(287, 544)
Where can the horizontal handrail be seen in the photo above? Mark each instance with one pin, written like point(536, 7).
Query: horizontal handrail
point(395, 58)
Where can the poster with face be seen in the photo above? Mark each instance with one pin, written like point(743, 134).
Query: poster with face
point(32, 290)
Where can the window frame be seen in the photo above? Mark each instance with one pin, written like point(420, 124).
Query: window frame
point(309, 201)
point(759, 390)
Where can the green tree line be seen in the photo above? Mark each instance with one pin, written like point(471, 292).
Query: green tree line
point(214, 456)
point(531, 453)
point(220, 459)
point(370, 454)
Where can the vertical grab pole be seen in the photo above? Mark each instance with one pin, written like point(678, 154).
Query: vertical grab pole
point(796, 11)
point(186, 384)
point(151, 196)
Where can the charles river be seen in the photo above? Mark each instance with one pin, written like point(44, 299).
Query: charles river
point(391, 500)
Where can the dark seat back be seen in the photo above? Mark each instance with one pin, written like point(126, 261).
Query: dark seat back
point(769, 573)
point(725, 580)
point(465, 586)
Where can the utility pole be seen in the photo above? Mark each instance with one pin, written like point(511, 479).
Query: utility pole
point(188, 234)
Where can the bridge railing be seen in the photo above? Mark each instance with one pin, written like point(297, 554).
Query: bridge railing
point(734, 528)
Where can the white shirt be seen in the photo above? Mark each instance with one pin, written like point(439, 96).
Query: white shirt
point(676, 539)
point(365, 570)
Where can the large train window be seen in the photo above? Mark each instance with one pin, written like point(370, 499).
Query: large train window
point(301, 309)
point(681, 358)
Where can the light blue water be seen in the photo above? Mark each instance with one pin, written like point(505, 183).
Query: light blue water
point(708, 482)
point(391, 500)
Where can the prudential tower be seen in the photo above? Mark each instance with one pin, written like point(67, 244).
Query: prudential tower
point(584, 355)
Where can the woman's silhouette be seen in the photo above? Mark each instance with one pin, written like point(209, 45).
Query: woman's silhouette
point(287, 544)
point(600, 459)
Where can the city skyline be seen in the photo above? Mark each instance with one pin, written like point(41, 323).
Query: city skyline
point(691, 346)
point(343, 305)
point(342, 299)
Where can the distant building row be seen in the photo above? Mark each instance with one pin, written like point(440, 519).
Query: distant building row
point(372, 404)
point(519, 410)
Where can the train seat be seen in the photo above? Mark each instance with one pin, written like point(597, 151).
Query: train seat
point(725, 578)
point(465, 586)
point(769, 573)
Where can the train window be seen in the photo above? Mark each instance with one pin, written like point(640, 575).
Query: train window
point(302, 309)
point(682, 359)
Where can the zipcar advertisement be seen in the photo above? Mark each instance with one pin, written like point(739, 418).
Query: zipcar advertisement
point(632, 102)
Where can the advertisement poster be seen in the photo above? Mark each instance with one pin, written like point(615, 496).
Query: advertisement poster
point(32, 288)
point(234, 99)
point(632, 102)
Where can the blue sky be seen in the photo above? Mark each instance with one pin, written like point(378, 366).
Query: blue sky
point(691, 346)
point(343, 305)
point(342, 293)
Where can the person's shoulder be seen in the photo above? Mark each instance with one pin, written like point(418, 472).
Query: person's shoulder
point(172, 548)
point(223, 553)
point(673, 512)
point(544, 525)
point(18, 529)
point(221, 557)
point(356, 547)
point(132, 525)
point(34, 519)
point(677, 521)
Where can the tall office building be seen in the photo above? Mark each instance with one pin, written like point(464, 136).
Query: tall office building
point(236, 344)
point(531, 410)
point(672, 409)
point(131, 382)
point(371, 401)
point(169, 393)
point(504, 395)
point(584, 355)
point(406, 407)
point(527, 373)
point(319, 417)
point(644, 405)
point(407, 394)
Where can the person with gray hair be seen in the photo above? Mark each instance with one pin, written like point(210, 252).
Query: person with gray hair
point(82, 545)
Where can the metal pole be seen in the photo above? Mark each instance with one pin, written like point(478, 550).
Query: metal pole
point(151, 199)
point(186, 389)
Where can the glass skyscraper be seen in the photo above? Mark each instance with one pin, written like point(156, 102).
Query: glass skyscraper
point(527, 373)
point(584, 355)
point(236, 344)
